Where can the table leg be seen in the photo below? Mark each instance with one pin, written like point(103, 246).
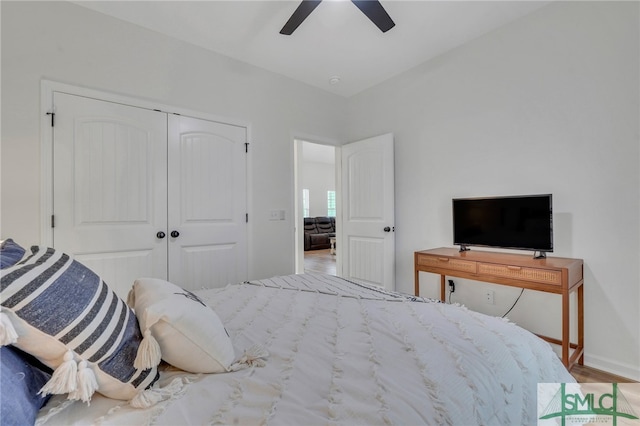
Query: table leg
point(565, 328)
point(581, 323)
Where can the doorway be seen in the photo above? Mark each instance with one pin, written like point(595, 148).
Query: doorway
point(364, 226)
point(316, 207)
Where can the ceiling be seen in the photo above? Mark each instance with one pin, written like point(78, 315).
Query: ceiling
point(336, 40)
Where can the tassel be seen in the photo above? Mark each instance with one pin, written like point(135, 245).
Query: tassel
point(64, 377)
point(146, 399)
point(151, 397)
point(86, 383)
point(8, 334)
point(252, 357)
point(149, 354)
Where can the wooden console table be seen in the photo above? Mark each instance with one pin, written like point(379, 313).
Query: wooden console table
point(552, 275)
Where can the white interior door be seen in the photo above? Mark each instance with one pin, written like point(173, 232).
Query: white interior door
point(207, 203)
point(368, 240)
point(109, 188)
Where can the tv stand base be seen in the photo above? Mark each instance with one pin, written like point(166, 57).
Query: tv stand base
point(539, 254)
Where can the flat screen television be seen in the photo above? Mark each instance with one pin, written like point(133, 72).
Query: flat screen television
point(523, 222)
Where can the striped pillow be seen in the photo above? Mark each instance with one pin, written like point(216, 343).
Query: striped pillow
point(69, 319)
point(10, 253)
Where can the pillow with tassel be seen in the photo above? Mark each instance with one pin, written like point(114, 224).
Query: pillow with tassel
point(62, 313)
point(186, 332)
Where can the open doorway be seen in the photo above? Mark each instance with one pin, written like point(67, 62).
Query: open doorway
point(316, 207)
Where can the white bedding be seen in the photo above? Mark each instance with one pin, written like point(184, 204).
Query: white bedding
point(342, 353)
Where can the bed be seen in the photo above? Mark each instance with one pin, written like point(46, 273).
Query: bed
point(337, 351)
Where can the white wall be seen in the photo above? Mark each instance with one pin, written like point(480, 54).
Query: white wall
point(318, 178)
point(547, 104)
point(70, 44)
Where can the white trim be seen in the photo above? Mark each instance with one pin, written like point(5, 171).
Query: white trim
point(298, 209)
point(614, 367)
point(249, 204)
point(46, 164)
point(49, 87)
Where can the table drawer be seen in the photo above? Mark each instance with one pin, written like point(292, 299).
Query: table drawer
point(521, 273)
point(448, 263)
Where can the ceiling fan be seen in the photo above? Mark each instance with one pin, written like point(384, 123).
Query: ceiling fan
point(371, 8)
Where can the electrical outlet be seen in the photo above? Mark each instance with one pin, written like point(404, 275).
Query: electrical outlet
point(489, 297)
point(452, 286)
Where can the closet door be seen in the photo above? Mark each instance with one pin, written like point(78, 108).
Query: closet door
point(110, 188)
point(207, 203)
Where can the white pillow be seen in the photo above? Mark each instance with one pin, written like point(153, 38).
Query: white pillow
point(189, 333)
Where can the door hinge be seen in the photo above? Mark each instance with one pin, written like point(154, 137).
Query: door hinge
point(246, 147)
point(246, 217)
point(53, 115)
point(53, 221)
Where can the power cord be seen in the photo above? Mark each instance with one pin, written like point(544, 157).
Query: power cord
point(452, 288)
point(514, 303)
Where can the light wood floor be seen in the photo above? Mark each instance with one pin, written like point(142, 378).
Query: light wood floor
point(322, 261)
point(584, 374)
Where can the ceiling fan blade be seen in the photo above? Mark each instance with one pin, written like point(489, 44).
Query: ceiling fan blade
point(304, 9)
point(374, 11)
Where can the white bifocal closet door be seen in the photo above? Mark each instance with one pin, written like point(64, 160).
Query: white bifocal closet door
point(109, 188)
point(207, 203)
point(142, 193)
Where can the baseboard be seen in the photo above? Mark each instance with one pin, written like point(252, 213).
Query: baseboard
point(625, 370)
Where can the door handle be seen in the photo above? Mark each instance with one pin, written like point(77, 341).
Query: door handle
point(175, 234)
point(161, 235)
point(387, 229)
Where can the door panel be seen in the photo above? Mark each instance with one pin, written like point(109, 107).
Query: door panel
point(367, 258)
point(209, 265)
point(207, 203)
point(368, 211)
point(109, 188)
point(119, 269)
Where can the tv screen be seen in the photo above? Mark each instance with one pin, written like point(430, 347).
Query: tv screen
point(516, 222)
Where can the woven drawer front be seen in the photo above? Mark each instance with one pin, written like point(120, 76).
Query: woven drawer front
point(448, 263)
point(521, 273)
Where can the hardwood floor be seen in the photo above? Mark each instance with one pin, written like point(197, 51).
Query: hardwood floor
point(584, 374)
point(322, 261)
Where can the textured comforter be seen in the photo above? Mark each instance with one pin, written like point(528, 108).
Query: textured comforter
point(344, 353)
